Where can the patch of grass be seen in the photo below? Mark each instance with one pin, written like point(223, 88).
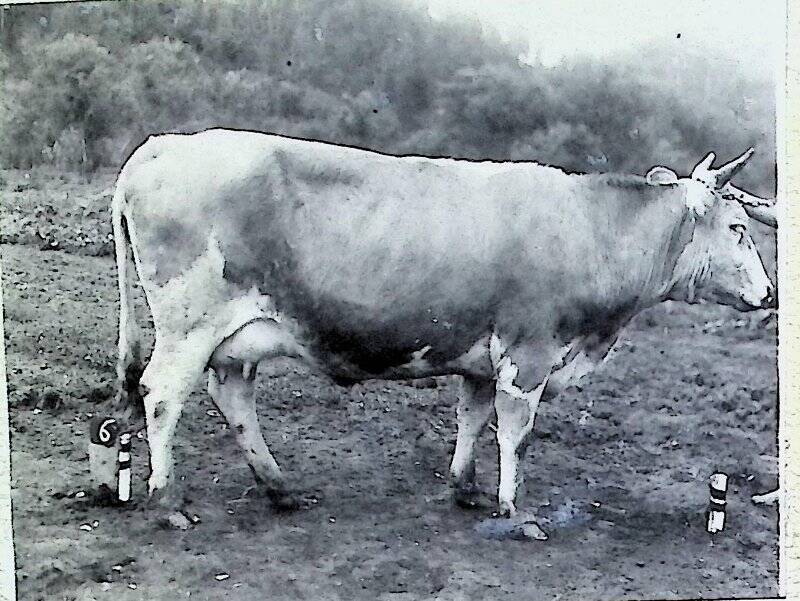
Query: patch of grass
point(57, 211)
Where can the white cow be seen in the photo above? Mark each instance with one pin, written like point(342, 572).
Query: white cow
point(516, 276)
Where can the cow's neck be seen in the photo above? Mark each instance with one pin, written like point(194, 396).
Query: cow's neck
point(649, 257)
point(677, 267)
point(691, 270)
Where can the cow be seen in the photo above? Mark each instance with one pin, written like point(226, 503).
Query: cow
point(516, 276)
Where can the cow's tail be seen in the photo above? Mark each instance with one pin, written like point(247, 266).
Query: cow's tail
point(129, 360)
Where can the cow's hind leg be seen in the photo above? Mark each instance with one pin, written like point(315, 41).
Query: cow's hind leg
point(474, 408)
point(231, 385)
point(174, 368)
point(232, 389)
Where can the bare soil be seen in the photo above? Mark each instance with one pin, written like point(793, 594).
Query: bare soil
point(618, 472)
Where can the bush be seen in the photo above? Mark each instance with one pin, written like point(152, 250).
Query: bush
point(102, 76)
point(64, 93)
point(171, 87)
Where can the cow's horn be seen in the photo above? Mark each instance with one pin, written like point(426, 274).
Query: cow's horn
point(764, 214)
point(760, 209)
point(724, 174)
point(702, 170)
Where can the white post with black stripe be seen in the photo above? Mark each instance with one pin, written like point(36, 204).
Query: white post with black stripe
point(718, 489)
point(124, 468)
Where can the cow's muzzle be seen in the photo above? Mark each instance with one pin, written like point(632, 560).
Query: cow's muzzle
point(770, 300)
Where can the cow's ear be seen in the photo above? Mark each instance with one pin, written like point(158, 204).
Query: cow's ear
point(661, 176)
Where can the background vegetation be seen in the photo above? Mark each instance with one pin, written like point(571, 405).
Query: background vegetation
point(82, 85)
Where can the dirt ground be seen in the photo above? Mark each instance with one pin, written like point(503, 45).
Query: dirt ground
point(618, 471)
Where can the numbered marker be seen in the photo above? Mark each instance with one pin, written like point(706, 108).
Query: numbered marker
point(103, 434)
point(718, 489)
point(103, 431)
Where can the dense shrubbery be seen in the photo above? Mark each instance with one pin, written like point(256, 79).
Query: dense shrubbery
point(94, 79)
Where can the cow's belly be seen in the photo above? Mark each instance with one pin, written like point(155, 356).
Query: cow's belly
point(351, 331)
point(263, 339)
point(399, 345)
point(474, 361)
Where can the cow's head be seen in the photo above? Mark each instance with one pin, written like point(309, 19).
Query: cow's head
point(720, 263)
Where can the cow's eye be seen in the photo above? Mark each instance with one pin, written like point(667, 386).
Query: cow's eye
point(739, 230)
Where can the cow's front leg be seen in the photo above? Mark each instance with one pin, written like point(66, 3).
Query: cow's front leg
point(516, 412)
point(474, 408)
point(516, 402)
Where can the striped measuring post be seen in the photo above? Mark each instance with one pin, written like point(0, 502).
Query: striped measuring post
point(718, 490)
point(124, 468)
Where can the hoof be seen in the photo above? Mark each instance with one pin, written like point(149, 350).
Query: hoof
point(166, 505)
point(471, 497)
point(178, 521)
point(514, 528)
point(504, 512)
point(165, 499)
point(173, 520)
point(531, 530)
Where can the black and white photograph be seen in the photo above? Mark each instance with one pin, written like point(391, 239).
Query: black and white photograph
point(394, 300)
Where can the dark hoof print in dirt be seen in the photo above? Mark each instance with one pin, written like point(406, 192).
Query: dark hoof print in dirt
point(284, 500)
point(291, 501)
point(472, 498)
point(103, 496)
point(516, 528)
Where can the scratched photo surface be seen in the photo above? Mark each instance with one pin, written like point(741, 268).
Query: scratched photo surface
point(326, 262)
